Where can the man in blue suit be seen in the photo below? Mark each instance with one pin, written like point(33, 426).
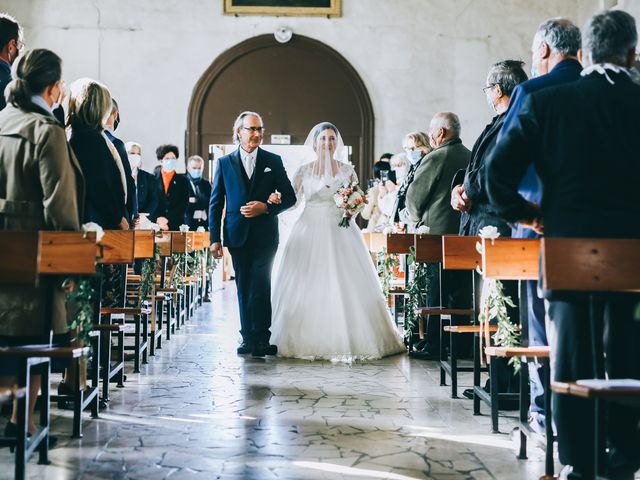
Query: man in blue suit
point(554, 61)
point(244, 180)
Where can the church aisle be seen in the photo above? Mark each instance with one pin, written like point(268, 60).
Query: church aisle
point(199, 411)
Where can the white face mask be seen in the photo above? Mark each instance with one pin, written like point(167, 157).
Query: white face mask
point(135, 160)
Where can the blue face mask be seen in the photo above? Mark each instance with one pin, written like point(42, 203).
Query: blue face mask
point(169, 164)
point(195, 173)
point(414, 156)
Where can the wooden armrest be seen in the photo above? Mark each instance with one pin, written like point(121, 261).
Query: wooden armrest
point(508, 352)
point(114, 327)
point(443, 311)
point(120, 310)
point(166, 290)
point(468, 328)
point(44, 352)
point(605, 393)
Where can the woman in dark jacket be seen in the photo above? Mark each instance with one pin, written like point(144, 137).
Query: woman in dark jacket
point(105, 204)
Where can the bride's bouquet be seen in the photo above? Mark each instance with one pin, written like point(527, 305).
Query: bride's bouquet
point(351, 200)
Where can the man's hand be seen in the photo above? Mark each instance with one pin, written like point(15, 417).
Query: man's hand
point(124, 225)
point(275, 198)
point(216, 250)
point(163, 222)
point(254, 209)
point(536, 225)
point(459, 200)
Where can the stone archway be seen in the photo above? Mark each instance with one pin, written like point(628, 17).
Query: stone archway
point(293, 86)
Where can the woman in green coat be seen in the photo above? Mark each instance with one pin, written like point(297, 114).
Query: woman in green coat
point(40, 187)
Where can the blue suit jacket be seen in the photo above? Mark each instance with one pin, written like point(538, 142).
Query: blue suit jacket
point(564, 72)
point(231, 186)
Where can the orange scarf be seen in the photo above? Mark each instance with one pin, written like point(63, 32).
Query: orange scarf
point(166, 179)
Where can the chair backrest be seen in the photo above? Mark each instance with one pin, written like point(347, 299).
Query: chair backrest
point(178, 242)
point(591, 264)
point(144, 244)
point(399, 243)
point(511, 258)
point(117, 246)
point(67, 253)
point(199, 240)
point(19, 252)
point(460, 253)
point(428, 248)
point(163, 240)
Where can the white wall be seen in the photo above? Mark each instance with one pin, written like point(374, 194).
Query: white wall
point(416, 57)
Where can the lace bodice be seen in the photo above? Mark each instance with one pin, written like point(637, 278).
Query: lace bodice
point(314, 190)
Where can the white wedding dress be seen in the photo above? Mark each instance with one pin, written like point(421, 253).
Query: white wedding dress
point(327, 300)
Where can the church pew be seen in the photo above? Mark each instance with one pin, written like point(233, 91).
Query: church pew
point(516, 259)
point(118, 247)
point(594, 266)
point(179, 245)
point(144, 248)
point(165, 293)
point(28, 258)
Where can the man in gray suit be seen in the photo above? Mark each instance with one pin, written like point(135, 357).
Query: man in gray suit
point(428, 204)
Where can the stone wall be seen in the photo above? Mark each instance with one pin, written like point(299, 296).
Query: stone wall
point(416, 57)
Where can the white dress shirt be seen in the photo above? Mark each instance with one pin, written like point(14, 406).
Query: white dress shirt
point(248, 161)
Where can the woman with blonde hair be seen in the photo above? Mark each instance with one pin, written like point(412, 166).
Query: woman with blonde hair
point(105, 203)
point(416, 147)
point(41, 188)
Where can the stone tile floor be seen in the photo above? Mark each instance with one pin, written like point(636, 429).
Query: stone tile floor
point(198, 411)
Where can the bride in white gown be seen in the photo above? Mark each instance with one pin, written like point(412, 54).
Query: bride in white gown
point(327, 300)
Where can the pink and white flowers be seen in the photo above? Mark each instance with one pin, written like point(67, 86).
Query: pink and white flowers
point(351, 200)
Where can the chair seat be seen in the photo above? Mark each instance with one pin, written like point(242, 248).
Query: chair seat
point(508, 352)
point(44, 352)
point(468, 328)
point(604, 392)
point(114, 327)
point(444, 311)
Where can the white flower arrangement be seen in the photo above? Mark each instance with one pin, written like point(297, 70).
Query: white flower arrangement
point(183, 228)
point(423, 230)
point(200, 229)
point(93, 227)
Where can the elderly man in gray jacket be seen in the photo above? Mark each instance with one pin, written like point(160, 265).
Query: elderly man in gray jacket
point(428, 204)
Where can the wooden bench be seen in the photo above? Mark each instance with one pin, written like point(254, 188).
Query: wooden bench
point(27, 258)
point(118, 247)
point(507, 259)
point(145, 250)
point(594, 266)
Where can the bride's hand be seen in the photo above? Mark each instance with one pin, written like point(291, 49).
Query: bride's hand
point(275, 198)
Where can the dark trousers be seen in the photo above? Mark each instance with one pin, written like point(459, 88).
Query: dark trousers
point(537, 337)
point(253, 280)
point(569, 335)
point(456, 293)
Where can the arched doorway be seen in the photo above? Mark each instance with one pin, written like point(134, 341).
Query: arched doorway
point(293, 86)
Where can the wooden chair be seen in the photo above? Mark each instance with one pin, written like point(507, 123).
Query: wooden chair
point(594, 266)
point(506, 259)
point(179, 246)
point(165, 294)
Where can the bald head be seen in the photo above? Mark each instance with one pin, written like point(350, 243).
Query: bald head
point(444, 126)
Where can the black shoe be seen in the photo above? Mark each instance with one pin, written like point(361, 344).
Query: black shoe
point(262, 349)
point(11, 430)
point(244, 348)
point(468, 393)
point(206, 299)
point(425, 355)
point(64, 389)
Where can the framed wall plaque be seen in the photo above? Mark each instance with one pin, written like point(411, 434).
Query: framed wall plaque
point(284, 7)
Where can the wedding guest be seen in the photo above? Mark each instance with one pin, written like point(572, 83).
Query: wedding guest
point(10, 46)
point(110, 126)
point(428, 204)
point(371, 211)
point(199, 194)
point(147, 190)
point(469, 195)
point(106, 193)
point(174, 189)
point(382, 165)
point(554, 61)
point(416, 147)
point(583, 138)
point(42, 187)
